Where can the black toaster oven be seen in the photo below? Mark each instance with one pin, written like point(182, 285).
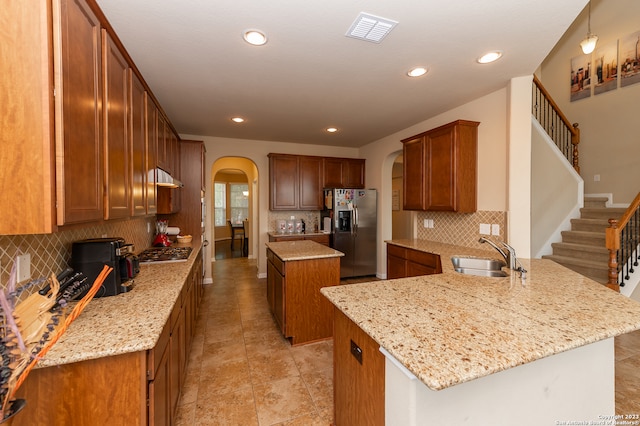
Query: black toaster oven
point(90, 256)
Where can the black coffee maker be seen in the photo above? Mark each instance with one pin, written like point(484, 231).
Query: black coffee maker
point(90, 256)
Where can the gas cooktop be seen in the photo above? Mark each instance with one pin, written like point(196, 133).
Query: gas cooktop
point(164, 254)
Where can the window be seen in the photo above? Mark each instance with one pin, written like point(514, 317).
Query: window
point(239, 201)
point(220, 200)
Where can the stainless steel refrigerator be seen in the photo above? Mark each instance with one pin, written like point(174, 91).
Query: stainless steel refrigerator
point(353, 214)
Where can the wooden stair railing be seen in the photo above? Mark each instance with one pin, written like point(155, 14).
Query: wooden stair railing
point(565, 135)
point(622, 239)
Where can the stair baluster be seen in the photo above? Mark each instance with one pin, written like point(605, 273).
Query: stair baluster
point(622, 239)
point(565, 135)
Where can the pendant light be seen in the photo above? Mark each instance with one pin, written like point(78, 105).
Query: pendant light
point(589, 42)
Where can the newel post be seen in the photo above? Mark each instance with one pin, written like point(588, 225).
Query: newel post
point(613, 245)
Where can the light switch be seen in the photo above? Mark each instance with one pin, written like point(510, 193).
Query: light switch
point(495, 229)
point(485, 229)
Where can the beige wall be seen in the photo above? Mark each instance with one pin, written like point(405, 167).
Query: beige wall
point(610, 145)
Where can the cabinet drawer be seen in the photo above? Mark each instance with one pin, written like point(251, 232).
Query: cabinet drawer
point(423, 258)
point(321, 239)
point(154, 356)
point(277, 262)
point(396, 251)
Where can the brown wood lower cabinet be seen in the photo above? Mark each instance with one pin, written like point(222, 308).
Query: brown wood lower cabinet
point(318, 238)
point(137, 388)
point(404, 262)
point(293, 294)
point(358, 375)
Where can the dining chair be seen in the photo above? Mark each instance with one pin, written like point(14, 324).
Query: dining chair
point(236, 230)
point(245, 238)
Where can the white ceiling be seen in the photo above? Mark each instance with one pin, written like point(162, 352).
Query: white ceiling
point(310, 76)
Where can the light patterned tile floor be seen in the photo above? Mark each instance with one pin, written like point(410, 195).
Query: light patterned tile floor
point(241, 370)
point(628, 373)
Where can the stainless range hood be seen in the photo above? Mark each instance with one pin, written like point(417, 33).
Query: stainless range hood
point(165, 179)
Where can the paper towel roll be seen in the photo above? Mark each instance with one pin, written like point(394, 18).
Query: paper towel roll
point(326, 224)
point(173, 230)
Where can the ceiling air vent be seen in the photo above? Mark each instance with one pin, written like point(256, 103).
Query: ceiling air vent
point(370, 28)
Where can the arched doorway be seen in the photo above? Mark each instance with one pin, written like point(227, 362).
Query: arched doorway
point(239, 178)
point(401, 220)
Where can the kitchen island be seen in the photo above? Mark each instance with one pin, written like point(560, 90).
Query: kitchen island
point(122, 361)
point(296, 271)
point(462, 349)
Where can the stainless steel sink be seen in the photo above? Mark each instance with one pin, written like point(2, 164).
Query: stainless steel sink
point(480, 266)
point(482, 272)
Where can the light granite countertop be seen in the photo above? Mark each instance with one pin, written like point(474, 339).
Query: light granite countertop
point(302, 250)
point(450, 328)
point(128, 322)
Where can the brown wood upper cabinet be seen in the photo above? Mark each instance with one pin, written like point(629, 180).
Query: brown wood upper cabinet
point(343, 172)
point(295, 182)
point(152, 154)
point(116, 142)
point(137, 138)
point(73, 114)
point(440, 168)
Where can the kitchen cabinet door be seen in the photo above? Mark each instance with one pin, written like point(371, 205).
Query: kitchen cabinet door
point(358, 375)
point(138, 152)
point(413, 171)
point(284, 183)
point(310, 181)
point(355, 173)
point(343, 172)
point(334, 171)
point(116, 142)
point(79, 115)
point(440, 168)
point(27, 174)
point(159, 395)
point(152, 154)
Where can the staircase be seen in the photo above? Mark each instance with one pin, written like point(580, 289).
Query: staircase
point(583, 247)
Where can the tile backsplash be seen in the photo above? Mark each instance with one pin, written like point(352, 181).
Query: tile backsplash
point(460, 228)
point(51, 252)
point(311, 219)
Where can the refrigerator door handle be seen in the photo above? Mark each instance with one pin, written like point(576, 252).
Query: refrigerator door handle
point(355, 220)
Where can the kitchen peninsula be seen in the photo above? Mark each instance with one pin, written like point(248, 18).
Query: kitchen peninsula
point(460, 349)
point(296, 271)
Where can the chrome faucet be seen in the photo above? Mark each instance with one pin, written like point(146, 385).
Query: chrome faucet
point(509, 254)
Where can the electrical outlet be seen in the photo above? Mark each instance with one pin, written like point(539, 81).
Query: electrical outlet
point(148, 227)
point(428, 223)
point(23, 267)
point(293, 217)
point(596, 178)
point(485, 229)
point(495, 229)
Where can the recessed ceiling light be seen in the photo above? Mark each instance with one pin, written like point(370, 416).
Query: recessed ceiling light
point(255, 37)
point(237, 119)
point(490, 57)
point(331, 129)
point(417, 72)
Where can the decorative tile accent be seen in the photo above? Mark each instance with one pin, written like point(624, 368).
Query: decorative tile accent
point(51, 252)
point(461, 229)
